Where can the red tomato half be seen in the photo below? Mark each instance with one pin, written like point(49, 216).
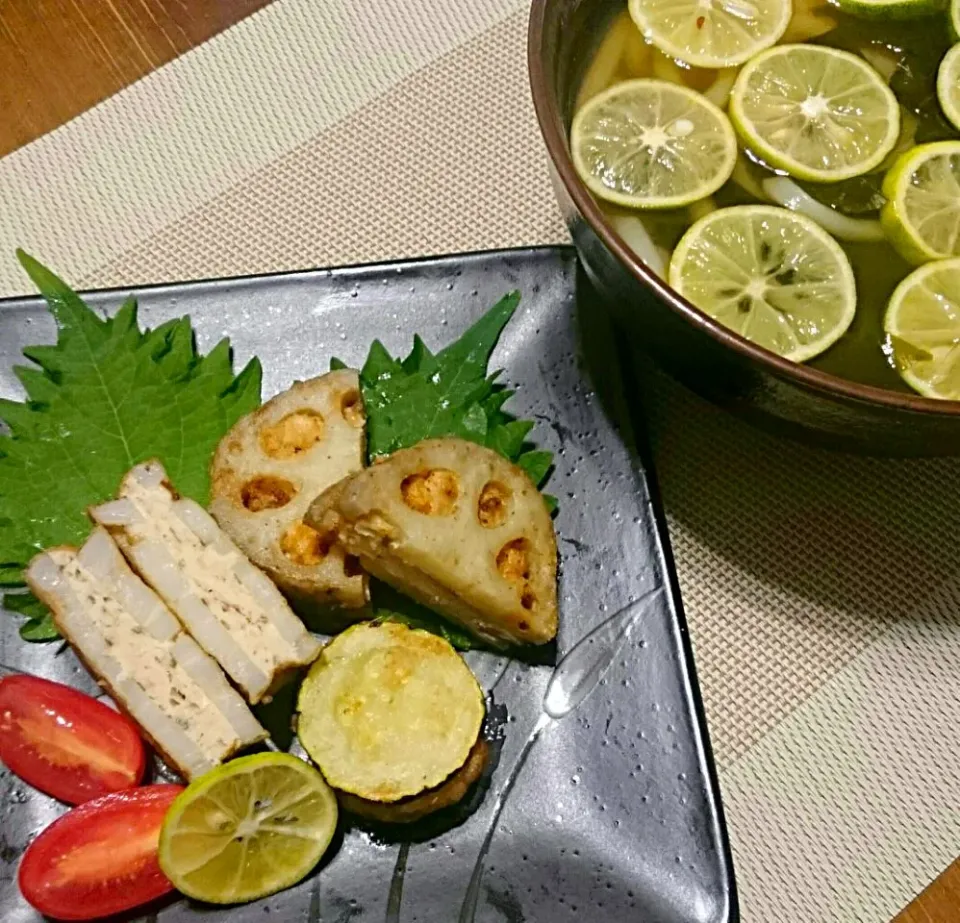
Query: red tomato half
point(66, 743)
point(100, 858)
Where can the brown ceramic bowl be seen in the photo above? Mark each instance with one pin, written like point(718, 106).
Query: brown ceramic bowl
point(784, 396)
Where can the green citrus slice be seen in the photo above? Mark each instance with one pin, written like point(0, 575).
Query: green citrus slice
point(948, 85)
point(922, 324)
point(890, 9)
point(954, 21)
point(922, 215)
point(652, 144)
point(711, 33)
point(247, 829)
point(820, 114)
point(773, 276)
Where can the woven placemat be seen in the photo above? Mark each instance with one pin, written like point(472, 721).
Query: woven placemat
point(821, 589)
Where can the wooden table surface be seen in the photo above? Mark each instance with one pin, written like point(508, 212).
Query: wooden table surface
point(60, 57)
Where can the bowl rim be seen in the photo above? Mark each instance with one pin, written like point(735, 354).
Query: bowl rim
point(555, 137)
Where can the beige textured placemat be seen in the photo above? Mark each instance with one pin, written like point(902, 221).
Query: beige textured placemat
point(822, 590)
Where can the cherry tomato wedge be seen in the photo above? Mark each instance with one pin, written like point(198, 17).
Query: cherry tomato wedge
point(100, 858)
point(66, 743)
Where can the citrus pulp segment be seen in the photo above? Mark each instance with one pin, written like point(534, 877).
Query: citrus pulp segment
point(922, 214)
point(652, 144)
point(948, 85)
point(820, 114)
point(711, 33)
point(922, 324)
point(772, 276)
point(249, 828)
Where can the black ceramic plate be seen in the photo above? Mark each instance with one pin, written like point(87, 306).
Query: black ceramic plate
point(603, 804)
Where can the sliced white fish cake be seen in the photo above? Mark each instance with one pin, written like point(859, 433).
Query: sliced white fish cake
point(140, 654)
point(229, 606)
point(457, 527)
point(268, 469)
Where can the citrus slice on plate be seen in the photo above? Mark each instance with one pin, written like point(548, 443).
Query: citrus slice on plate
point(774, 277)
point(820, 114)
point(890, 9)
point(948, 85)
point(652, 144)
point(711, 33)
point(247, 829)
point(922, 215)
point(922, 324)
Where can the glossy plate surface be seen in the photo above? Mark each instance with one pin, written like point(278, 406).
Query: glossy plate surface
point(602, 803)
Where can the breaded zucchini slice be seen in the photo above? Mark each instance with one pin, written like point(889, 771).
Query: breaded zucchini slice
point(229, 606)
point(460, 529)
point(388, 711)
point(409, 810)
point(141, 656)
point(266, 471)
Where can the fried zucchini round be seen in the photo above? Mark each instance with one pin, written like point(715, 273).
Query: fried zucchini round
point(448, 793)
point(388, 712)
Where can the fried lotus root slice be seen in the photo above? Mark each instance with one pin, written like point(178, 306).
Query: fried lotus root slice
point(266, 471)
point(229, 606)
point(139, 653)
point(457, 527)
point(388, 712)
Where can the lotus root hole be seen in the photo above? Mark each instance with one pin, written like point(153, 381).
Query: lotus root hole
point(296, 433)
point(528, 601)
point(304, 545)
point(513, 561)
point(266, 492)
point(523, 625)
point(492, 506)
point(433, 492)
point(351, 566)
point(351, 408)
